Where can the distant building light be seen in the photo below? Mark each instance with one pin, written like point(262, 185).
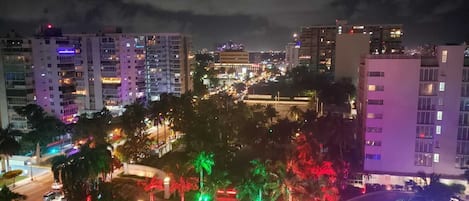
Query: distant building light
point(358, 27)
point(49, 26)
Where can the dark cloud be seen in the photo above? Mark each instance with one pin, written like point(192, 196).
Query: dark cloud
point(260, 24)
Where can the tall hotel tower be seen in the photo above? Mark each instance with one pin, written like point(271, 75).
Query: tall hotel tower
point(415, 114)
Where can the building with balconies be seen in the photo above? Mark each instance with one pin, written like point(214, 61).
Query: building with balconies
point(414, 114)
point(16, 78)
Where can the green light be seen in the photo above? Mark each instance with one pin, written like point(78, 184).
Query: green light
point(203, 197)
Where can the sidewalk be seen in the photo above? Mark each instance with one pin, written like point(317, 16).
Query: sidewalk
point(27, 180)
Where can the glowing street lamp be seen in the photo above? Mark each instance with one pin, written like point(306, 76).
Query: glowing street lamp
point(167, 193)
point(31, 169)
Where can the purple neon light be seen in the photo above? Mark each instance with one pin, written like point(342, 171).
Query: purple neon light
point(66, 50)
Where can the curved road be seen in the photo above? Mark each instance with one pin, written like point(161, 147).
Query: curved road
point(35, 190)
point(384, 196)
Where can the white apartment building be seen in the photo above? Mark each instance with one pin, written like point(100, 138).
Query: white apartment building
point(291, 55)
point(413, 114)
point(112, 74)
point(16, 80)
point(54, 64)
point(168, 64)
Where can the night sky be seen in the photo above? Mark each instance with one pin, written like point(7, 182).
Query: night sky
point(259, 24)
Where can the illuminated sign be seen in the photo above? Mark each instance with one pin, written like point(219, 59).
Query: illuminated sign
point(66, 50)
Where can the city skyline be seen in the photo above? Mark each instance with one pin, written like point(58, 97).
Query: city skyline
point(260, 25)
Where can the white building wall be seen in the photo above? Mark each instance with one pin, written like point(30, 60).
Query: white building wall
point(403, 84)
point(450, 72)
point(398, 114)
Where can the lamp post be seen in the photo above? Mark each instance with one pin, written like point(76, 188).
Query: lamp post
point(31, 169)
point(166, 187)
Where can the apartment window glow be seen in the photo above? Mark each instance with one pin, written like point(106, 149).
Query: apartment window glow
point(436, 158)
point(442, 86)
point(438, 129)
point(444, 56)
point(439, 115)
point(371, 87)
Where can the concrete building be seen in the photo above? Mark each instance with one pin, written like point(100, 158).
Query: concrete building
point(55, 62)
point(349, 50)
point(291, 55)
point(16, 80)
point(413, 114)
point(318, 43)
point(234, 57)
point(168, 64)
point(112, 74)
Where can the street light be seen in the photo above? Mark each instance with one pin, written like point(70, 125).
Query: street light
point(166, 181)
point(31, 169)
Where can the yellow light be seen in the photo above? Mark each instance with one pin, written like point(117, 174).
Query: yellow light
point(111, 80)
point(166, 180)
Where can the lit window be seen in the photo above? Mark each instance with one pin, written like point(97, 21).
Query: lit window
point(436, 158)
point(438, 129)
point(444, 56)
point(439, 115)
point(442, 86)
point(127, 44)
point(371, 87)
point(374, 116)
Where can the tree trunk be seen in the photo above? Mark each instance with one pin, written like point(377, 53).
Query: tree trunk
point(201, 179)
point(182, 196)
point(8, 162)
point(2, 158)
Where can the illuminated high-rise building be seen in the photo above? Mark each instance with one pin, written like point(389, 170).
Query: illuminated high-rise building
point(318, 43)
point(16, 80)
point(112, 74)
point(414, 115)
point(55, 65)
point(168, 64)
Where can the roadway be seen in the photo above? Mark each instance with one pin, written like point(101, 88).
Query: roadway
point(34, 190)
point(385, 196)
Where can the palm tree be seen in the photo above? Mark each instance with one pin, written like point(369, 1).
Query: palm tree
point(8, 145)
point(203, 161)
point(295, 112)
point(81, 171)
point(7, 195)
point(57, 163)
point(270, 112)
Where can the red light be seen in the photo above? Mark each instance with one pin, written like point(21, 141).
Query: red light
point(351, 31)
point(422, 135)
point(49, 26)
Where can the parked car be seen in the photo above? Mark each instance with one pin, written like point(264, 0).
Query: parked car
point(56, 185)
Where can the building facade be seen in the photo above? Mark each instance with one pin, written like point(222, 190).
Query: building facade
point(16, 78)
point(54, 64)
point(168, 67)
point(318, 43)
point(113, 71)
point(413, 112)
point(291, 55)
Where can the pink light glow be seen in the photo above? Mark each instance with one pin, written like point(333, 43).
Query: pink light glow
point(49, 26)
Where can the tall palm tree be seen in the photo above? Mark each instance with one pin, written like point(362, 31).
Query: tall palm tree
point(203, 161)
point(270, 112)
point(8, 145)
point(295, 112)
point(81, 171)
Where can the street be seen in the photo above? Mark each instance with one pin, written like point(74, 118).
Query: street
point(384, 196)
point(35, 189)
